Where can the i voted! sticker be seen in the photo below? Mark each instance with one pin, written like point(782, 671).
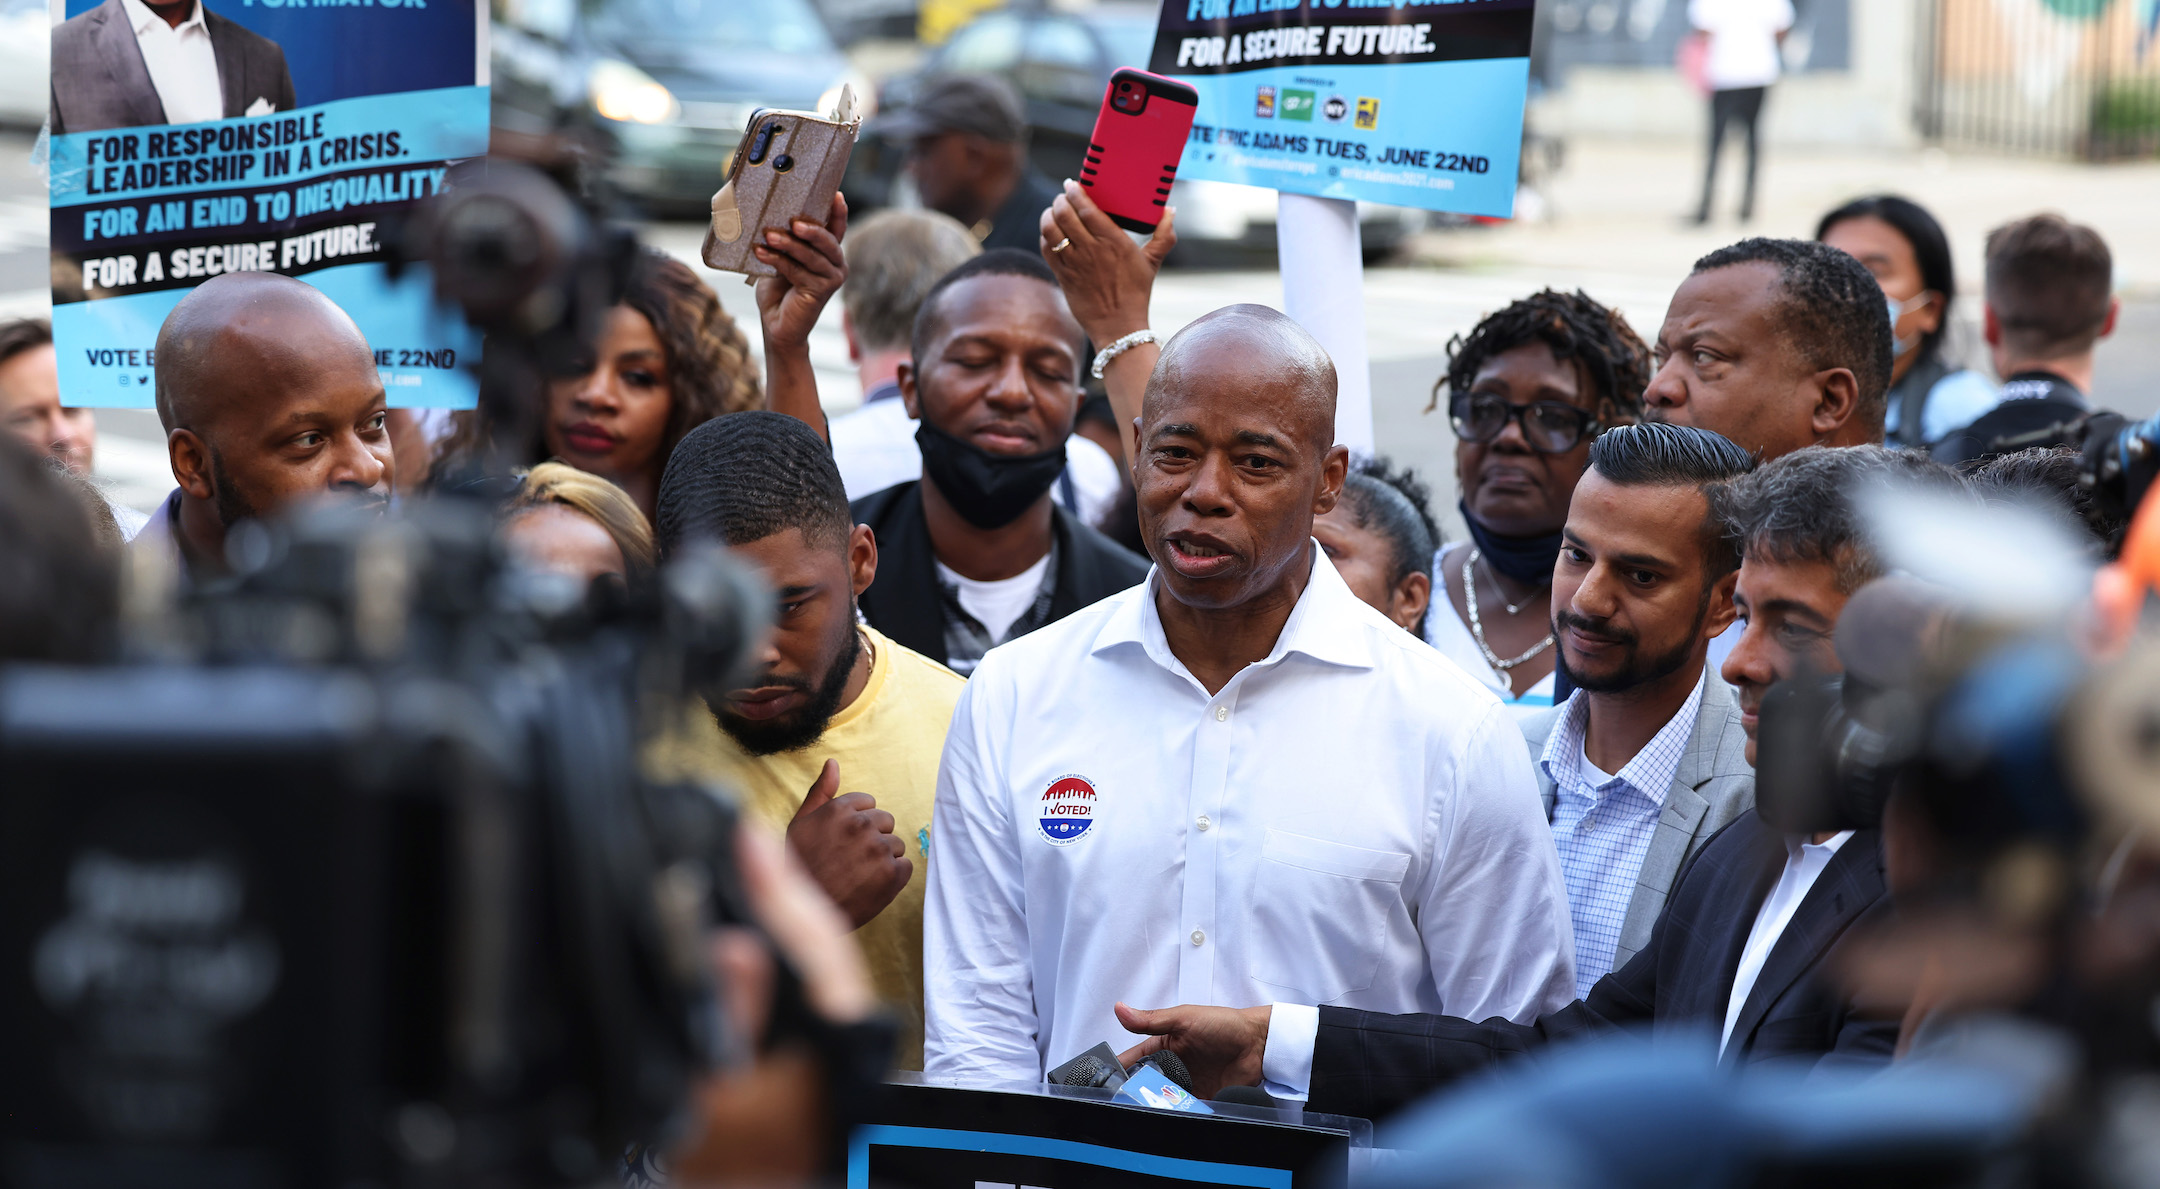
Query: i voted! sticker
point(1067, 811)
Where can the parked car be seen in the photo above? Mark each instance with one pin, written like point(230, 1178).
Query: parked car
point(1060, 62)
point(25, 62)
point(660, 88)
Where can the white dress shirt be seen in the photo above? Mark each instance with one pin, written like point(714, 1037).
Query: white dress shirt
point(1803, 863)
point(181, 62)
point(1351, 820)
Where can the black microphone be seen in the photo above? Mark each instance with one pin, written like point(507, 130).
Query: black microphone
point(1100, 1067)
point(1172, 1067)
point(1097, 1067)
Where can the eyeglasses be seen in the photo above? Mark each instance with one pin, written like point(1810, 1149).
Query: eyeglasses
point(1549, 426)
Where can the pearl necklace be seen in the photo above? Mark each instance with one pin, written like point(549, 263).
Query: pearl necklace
point(1477, 629)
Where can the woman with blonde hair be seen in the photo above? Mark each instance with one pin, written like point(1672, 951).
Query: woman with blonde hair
point(567, 521)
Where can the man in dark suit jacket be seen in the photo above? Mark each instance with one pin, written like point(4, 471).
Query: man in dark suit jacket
point(99, 79)
point(994, 380)
point(1369, 1065)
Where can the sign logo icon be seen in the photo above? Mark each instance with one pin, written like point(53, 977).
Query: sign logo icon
point(1067, 810)
point(1336, 109)
point(1368, 113)
point(1264, 102)
point(1297, 105)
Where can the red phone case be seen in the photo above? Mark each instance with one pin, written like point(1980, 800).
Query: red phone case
point(1133, 157)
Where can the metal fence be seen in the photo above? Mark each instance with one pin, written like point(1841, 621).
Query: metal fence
point(2058, 77)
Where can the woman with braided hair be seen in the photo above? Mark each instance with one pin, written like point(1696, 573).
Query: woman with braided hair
point(1526, 389)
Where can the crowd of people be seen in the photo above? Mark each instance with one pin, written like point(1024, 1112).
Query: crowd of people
point(1108, 697)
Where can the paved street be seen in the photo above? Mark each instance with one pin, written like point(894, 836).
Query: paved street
point(1615, 234)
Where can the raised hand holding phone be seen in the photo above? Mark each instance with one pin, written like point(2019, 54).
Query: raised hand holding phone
point(1132, 156)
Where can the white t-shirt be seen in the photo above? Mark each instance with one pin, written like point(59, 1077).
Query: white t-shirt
point(996, 604)
point(875, 449)
point(1743, 40)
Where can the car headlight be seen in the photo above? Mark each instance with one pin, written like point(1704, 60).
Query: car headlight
point(865, 95)
point(622, 92)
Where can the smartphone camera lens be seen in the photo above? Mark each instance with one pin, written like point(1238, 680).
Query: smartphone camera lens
point(762, 142)
point(783, 163)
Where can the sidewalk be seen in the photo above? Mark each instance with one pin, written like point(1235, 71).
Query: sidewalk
point(1621, 205)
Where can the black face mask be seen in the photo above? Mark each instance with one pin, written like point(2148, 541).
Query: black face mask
point(1528, 560)
point(987, 490)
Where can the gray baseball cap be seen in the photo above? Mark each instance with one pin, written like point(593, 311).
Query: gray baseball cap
point(982, 104)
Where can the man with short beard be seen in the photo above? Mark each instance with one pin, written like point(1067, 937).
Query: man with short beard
point(978, 552)
point(833, 699)
point(268, 394)
point(1646, 759)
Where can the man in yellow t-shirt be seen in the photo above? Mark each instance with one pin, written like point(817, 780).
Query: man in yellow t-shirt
point(835, 705)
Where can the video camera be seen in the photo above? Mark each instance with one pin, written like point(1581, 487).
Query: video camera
point(345, 874)
point(2121, 457)
point(1968, 719)
point(534, 270)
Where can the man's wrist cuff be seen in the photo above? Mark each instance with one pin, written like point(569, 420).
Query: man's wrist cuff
point(1286, 1063)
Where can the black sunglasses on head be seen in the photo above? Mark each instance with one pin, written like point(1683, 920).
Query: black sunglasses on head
point(1549, 426)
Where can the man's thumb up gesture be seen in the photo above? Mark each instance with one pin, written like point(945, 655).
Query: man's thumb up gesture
point(847, 843)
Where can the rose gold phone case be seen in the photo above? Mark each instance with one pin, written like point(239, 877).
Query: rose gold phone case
point(796, 174)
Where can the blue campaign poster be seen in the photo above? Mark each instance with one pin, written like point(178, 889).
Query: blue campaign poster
point(1411, 102)
point(290, 145)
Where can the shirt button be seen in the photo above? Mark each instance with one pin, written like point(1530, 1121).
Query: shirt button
point(1198, 937)
point(1203, 823)
point(1222, 714)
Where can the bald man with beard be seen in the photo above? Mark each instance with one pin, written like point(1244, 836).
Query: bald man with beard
point(1235, 783)
point(268, 395)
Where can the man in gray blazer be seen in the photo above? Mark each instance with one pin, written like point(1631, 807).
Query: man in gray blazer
point(1647, 758)
point(127, 63)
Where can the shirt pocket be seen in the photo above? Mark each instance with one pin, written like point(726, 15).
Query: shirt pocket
point(1321, 911)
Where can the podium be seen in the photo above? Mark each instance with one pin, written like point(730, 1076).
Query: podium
point(928, 1135)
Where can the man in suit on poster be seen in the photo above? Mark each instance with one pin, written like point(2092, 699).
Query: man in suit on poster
point(131, 63)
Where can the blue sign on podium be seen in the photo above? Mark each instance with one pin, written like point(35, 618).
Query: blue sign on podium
point(1055, 1137)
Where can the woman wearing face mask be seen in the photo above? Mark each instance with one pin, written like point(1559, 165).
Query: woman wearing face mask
point(1930, 397)
point(1526, 390)
point(667, 360)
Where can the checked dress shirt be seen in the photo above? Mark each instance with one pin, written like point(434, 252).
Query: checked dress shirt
point(1603, 825)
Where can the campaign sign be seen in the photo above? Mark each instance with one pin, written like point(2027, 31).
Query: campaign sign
point(1409, 102)
point(922, 1136)
point(287, 144)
